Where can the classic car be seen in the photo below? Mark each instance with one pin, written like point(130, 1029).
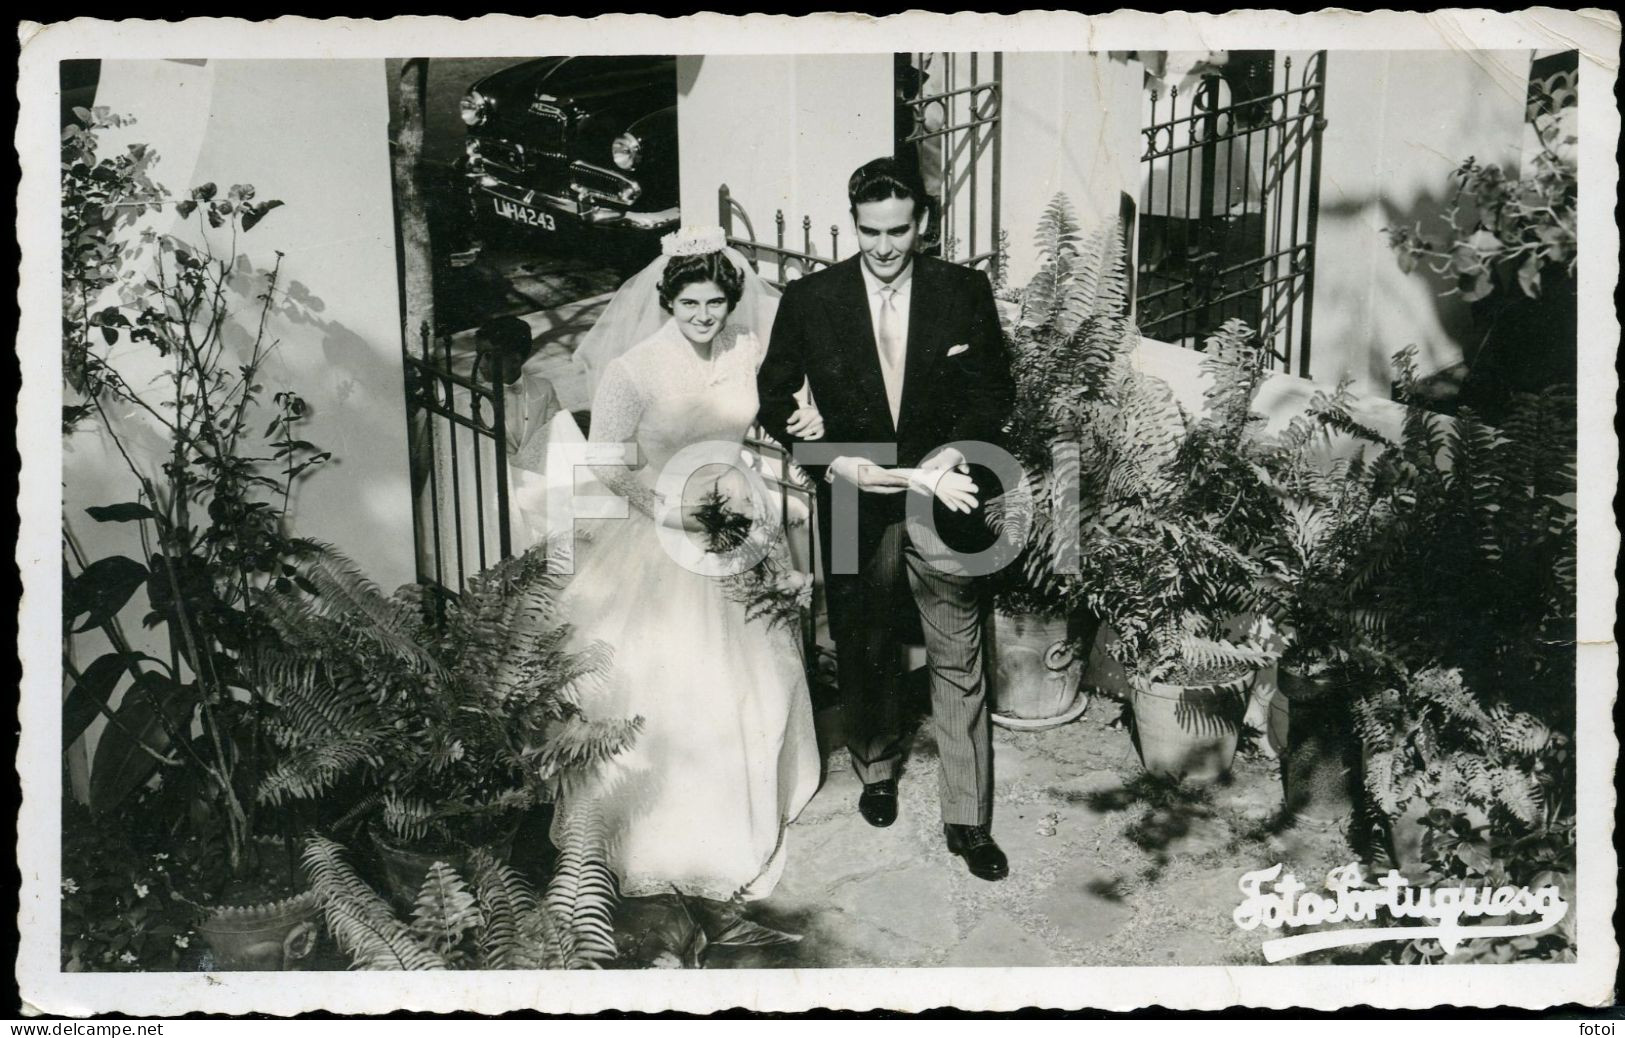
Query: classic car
point(585, 141)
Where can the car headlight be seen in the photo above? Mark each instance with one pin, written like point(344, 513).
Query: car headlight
point(475, 106)
point(626, 151)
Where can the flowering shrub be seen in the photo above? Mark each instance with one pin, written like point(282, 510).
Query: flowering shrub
point(117, 912)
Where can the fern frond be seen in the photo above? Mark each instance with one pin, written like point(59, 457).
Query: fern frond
point(504, 899)
point(578, 744)
point(361, 922)
point(444, 912)
point(581, 894)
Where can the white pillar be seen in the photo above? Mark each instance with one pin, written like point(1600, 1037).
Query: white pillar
point(782, 132)
point(1071, 124)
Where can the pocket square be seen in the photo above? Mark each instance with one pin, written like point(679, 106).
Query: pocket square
point(954, 351)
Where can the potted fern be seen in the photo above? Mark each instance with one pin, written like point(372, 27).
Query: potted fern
point(439, 722)
point(1493, 508)
point(1334, 518)
point(1170, 553)
point(1071, 337)
point(1431, 745)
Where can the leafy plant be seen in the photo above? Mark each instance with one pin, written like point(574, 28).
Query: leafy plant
point(211, 513)
point(1458, 852)
point(1137, 513)
point(489, 919)
point(1433, 740)
point(1508, 247)
point(1067, 348)
point(439, 719)
point(771, 589)
point(1502, 233)
point(1491, 511)
point(1498, 786)
point(117, 913)
point(1320, 549)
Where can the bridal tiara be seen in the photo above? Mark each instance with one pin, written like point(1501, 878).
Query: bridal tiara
point(694, 241)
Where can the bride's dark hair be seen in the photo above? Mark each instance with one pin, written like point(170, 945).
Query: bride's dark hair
point(714, 267)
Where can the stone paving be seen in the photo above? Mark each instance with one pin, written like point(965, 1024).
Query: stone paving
point(1108, 867)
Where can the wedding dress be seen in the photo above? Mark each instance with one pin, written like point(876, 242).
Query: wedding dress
point(726, 757)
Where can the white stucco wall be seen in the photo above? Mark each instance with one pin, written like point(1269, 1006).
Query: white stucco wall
point(1071, 123)
point(340, 333)
point(783, 132)
point(1397, 123)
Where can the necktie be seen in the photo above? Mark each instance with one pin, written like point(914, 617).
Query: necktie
point(889, 336)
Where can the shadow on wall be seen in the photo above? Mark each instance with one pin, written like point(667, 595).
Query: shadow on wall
point(1473, 354)
point(333, 368)
point(1440, 325)
point(688, 73)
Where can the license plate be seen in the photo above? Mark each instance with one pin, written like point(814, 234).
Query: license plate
point(523, 214)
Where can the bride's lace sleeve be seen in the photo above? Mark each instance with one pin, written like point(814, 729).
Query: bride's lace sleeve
point(616, 410)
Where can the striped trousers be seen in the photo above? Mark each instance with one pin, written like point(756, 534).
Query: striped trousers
point(864, 621)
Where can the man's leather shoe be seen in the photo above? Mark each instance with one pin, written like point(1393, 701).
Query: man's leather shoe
point(878, 804)
point(975, 844)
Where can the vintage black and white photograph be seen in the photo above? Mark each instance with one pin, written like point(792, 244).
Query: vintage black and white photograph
point(893, 506)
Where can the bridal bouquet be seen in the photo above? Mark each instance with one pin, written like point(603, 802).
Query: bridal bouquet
point(771, 590)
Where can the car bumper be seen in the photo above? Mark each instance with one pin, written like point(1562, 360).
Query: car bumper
point(587, 207)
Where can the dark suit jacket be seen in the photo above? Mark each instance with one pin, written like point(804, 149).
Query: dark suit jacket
point(824, 332)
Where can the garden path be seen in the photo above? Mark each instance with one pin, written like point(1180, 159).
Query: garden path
point(1108, 867)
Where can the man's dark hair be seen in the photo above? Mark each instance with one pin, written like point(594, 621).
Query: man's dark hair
point(884, 178)
point(506, 335)
point(504, 345)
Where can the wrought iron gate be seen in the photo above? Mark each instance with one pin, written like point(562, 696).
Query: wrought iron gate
point(456, 430)
point(952, 131)
point(1228, 211)
point(774, 261)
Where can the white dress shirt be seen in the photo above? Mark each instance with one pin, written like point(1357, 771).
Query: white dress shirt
point(902, 282)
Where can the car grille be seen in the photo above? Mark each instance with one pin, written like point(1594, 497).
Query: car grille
point(549, 129)
point(597, 182)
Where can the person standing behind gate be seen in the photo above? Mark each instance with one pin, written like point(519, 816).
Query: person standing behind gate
point(904, 355)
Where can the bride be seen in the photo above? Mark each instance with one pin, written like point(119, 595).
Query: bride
point(726, 757)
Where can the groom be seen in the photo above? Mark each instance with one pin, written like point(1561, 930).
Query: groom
point(904, 356)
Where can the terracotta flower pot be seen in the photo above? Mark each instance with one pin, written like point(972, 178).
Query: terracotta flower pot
point(1185, 732)
point(1035, 672)
point(405, 867)
point(1320, 770)
point(271, 936)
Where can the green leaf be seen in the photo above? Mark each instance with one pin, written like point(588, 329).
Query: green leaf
point(1529, 276)
point(121, 765)
point(101, 590)
point(1476, 287)
point(90, 693)
point(129, 511)
point(253, 214)
point(742, 933)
